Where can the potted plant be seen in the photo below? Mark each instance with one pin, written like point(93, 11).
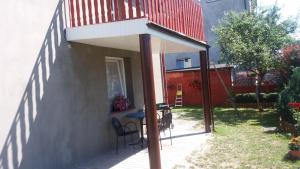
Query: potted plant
point(294, 147)
point(120, 103)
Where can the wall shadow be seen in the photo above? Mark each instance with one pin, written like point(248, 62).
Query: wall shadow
point(44, 132)
point(19, 140)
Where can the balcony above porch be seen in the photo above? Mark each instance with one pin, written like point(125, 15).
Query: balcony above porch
point(175, 25)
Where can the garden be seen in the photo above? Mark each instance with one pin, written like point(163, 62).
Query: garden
point(247, 140)
point(249, 137)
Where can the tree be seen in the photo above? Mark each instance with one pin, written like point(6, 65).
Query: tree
point(291, 56)
point(253, 41)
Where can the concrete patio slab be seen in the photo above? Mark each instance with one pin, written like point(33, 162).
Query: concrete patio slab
point(186, 139)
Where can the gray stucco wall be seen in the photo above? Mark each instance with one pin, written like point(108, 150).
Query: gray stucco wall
point(54, 111)
point(213, 12)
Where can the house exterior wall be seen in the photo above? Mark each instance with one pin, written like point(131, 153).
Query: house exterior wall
point(214, 11)
point(53, 102)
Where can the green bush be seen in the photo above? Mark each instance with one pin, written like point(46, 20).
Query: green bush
point(251, 98)
point(291, 93)
point(245, 98)
point(270, 97)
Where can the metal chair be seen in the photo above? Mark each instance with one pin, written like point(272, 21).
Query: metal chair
point(123, 131)
point(165, 123)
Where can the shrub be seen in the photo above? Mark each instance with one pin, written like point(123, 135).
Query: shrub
point(245, 98)
point(251, 98)
point(290, 94)
point(270, 97)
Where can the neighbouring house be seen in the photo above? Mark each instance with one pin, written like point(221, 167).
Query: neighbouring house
point(213, 11)
point(64, 61)
point(190, 80)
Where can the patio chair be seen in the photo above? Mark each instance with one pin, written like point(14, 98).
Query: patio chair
point(123, 131)
point(165, 123)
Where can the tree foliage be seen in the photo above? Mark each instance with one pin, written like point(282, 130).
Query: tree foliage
point(291, 56)
point(253, 40)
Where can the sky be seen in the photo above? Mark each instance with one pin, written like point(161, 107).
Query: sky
point(289, 8)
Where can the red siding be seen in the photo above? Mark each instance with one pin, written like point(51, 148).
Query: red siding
point(192, 88)
point(184, 16)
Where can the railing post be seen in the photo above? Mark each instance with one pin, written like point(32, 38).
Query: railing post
point(149, 100)
point(138, 8)
point(78, 13)
point(130, 8)
point(83, 8)
point(71, 13)
point(97, 19)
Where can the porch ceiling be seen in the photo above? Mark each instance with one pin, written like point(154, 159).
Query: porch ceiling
point(125, 35)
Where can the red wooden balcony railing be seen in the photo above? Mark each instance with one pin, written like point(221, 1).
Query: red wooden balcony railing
point(182, 16)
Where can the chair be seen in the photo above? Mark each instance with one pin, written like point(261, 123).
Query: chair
point(165, 123)
point(164, 108)
point(123, 131)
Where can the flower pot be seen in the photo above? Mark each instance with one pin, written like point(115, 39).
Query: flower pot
point(295, 153)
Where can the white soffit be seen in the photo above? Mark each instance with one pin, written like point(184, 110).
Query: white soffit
point(125, 35)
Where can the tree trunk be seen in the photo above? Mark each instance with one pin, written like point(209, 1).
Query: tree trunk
point(259, 79)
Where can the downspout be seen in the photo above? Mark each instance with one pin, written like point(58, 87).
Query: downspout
point(164, 77)
point(245, 4)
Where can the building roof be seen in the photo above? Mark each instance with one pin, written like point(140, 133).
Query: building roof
point(218, 66)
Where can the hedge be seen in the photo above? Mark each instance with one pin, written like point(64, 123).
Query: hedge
point(251, 98)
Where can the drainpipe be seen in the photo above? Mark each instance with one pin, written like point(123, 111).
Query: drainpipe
point(245, 4)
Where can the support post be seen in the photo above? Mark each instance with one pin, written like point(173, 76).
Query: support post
point(209, 90)
point(204, 67)
point(149, 100)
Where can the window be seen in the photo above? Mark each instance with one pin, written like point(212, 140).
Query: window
point(115, 74)
point(183, 63)
point(209, 1)
point(187, 62)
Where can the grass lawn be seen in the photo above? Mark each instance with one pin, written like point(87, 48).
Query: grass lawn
point(241, 141)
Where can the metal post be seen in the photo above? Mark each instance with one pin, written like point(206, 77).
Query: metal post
point(149, 100)
point(205, 90)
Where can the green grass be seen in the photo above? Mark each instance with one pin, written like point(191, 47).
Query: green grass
point(241, 140)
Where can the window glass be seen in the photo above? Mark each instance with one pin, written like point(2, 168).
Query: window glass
point(179, 64)
point(115, 77)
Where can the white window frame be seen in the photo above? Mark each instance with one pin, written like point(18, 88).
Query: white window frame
point(121, 71)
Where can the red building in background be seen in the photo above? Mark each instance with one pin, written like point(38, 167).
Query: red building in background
point(190, 79)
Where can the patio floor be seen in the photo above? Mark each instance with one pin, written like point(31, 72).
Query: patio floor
point(186, 139)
